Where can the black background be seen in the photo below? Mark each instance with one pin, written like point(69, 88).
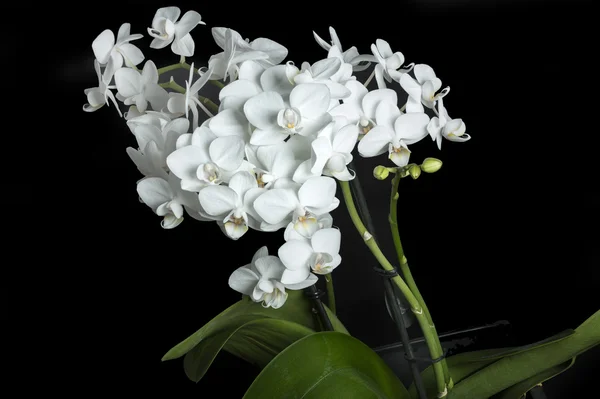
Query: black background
point(506, 230)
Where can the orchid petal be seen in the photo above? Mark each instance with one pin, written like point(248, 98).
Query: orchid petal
point(267, 137)
point(276, 79)
point(295, 254)
point(243, 280)
point(317, 192)
point(188, 22)
point(184, 162)
point(345, 139)
point(376, 141)
point(411, 128)
point(218, 200)
point(275, 205)
point(241, 182)
point(229, 122)
point(311, 99)
point(310, 280)
point(183, 45)
point(372, 99)
point(327, 241)
point(240, 88)
point(154, 191)
point(227, 152)
point(102, 45)
point(262, 109)
point(269, 267)
point(132, 54)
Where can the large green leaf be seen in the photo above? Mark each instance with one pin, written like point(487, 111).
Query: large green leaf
point(327, 365)
point(513, 369)
point(465, 364)
point(296, 309)
point(257, 341)
point(249, 331)
point(519, 390)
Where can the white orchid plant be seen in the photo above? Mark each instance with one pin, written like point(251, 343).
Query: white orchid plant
point(269, 157)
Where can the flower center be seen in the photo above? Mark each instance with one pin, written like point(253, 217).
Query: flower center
point(209, 173)
point(289, 119)
point(306, 224)
point(320, 261)
point(365, 125)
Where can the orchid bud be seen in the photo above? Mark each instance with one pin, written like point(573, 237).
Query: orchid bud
point(431, 165)
point(415, 171)
point(381, 172)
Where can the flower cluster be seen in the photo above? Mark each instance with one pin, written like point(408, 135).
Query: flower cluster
point(268, 156)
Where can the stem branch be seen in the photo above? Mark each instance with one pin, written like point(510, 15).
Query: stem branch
point(412, 300)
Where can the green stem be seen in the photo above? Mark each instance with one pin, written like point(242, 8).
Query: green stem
point(412, 300)
point(330, 293)
point(393, 219)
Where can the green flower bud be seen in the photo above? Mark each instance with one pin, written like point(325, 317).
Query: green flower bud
point(381, 172)
point(431, 165)
point(415, 171)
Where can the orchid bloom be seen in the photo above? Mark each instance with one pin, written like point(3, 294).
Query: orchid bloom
point(272, 162)
point(111, 53)
point(225, 64)
point(388, 63)
point(155, 144)
point(321, 72)
point(166, 199)
point(97, 96)
point(233, 204)
point(275, 52)
point(407, 129)
point(315, 197)
point(206, 159)
point(319, 254)
point(275, 120)
point(422, 91)
point(180, 104)
point(331, 152)
point(349, 56)
point(359, 108)
point(261, 280)
point(167, 30)
point(140, 88)
point(444, 126)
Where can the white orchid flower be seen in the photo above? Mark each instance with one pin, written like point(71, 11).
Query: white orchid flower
point(444, 126)
point(322, 72)
point(319, 254)
point(275, 52)
point(349, 56)
point(225, 64)
point(275, 120)
point(260, 280)
point(324, 221)
point(207, 160)
point(272, 162)
point(331, 152)
point(180, 104)
point(98, 96)
point(389, 63)
point(112, 54)
point(408, 129)
point(165, 198)
point(344, 73)
point(315, 197)
point(233, 204)
point(167, 30)
point(140, 88)
point(359, 108)
point(422, 91)
point(155, 144)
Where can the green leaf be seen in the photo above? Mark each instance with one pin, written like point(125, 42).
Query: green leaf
point(513, 369)
point(465, 364)
point(296, 309)
point(519, 390)
point(257, 341)
point(327, 365)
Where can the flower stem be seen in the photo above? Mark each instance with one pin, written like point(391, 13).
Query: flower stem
point(393, 219)
point(412, 300)
point(330, 293)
